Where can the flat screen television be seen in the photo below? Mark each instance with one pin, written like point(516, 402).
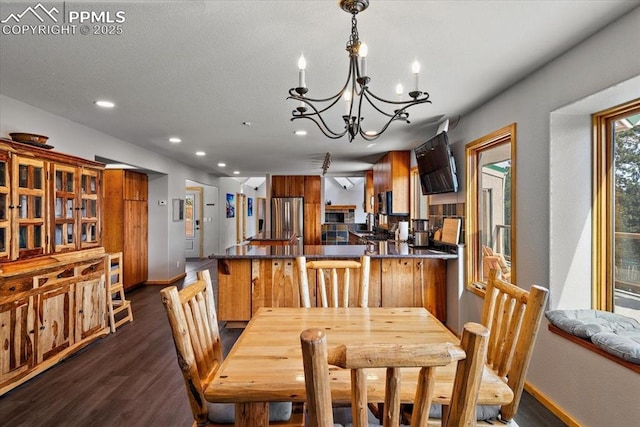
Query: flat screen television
point(436, 166)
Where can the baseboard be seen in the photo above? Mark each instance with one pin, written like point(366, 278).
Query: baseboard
point(551, 405)
point(166, 282)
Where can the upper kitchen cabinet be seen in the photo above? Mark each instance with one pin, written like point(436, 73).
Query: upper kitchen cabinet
point(392, 173)
point(287, 186)
point(369, 192)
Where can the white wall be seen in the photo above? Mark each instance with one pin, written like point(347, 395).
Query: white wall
point(591, 389)
point(166, 238)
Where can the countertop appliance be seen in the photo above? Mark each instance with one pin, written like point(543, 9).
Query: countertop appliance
point(287, 217)
point(421, 232)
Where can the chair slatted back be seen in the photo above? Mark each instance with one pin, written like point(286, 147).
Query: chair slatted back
point(194, 324)
point(338, 293)
point(513, 316)
point(358, 357)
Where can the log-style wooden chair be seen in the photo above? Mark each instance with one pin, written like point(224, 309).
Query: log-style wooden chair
point(339, 291)
point(194, 324)
point(494, 260)
point(513, 316)
point(470, 356)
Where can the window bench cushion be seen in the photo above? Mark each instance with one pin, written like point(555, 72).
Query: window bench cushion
point(586, 323)
point(624, 344)
point(613, 333)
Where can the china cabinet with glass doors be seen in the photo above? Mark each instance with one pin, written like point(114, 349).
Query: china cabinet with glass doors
point(52, 263)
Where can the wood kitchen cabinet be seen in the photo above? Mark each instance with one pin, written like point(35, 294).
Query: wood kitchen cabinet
point(76, 206)
point(392, 173)
point(5, 230)
point(17, 327)
point(47, 314)
point(52, 280)
point(234, 290)
point(126, 222)
point(49, 202)
point(245, 285)
point(27, 207)
point(287, 186)
point(415, 282)
point(274, 283)
point(369, 193)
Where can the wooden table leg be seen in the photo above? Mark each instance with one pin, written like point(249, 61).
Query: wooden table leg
point(254, 414)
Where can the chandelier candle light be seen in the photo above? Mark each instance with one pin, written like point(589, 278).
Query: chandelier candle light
point(355, 90)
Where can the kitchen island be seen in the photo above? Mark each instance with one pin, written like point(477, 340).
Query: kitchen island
point(251, 276)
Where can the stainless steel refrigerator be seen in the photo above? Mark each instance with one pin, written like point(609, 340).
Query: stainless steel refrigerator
point(287, 217)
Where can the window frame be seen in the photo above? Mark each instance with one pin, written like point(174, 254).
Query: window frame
point(472, 152)
point(603, 191)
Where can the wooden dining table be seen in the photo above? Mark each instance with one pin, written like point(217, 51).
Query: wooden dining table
point(265, 364)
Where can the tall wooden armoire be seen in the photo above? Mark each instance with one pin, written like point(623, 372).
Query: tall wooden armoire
point(126, 222)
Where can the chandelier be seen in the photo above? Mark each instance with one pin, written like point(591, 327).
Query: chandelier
point(355, 91)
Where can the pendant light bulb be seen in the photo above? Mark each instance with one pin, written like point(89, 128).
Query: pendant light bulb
point(415, 67)
point(302, 63)
point(363, 50)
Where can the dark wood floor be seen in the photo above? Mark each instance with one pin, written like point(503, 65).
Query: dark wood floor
point(131, 378)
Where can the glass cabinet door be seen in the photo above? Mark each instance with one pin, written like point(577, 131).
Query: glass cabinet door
point(4, 206)
point(28, 207)
point(89, 209)
point(65, 209)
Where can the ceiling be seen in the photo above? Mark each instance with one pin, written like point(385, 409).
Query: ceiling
point(199, 69)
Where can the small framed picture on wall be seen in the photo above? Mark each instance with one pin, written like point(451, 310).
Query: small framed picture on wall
point(231, 207)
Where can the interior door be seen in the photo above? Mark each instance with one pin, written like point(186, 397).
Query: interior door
point(193, 222)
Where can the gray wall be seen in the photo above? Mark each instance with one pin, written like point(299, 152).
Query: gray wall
point(589, 388)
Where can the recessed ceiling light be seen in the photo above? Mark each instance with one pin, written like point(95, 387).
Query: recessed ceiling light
point(236, 172)
point(175, 139)
point(247, 123)
point(104, 104)
point(222, 164)
point(200, 153)
point(300, 132)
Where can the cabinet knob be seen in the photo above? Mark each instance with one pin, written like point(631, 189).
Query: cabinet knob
point(11, 207)
point(80, 311)
point(42, 328)
point(13, 288)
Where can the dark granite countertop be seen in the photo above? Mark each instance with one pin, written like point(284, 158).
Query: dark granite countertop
point(382, 249)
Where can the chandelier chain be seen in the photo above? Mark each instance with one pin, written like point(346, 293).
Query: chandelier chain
point(354, 40)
